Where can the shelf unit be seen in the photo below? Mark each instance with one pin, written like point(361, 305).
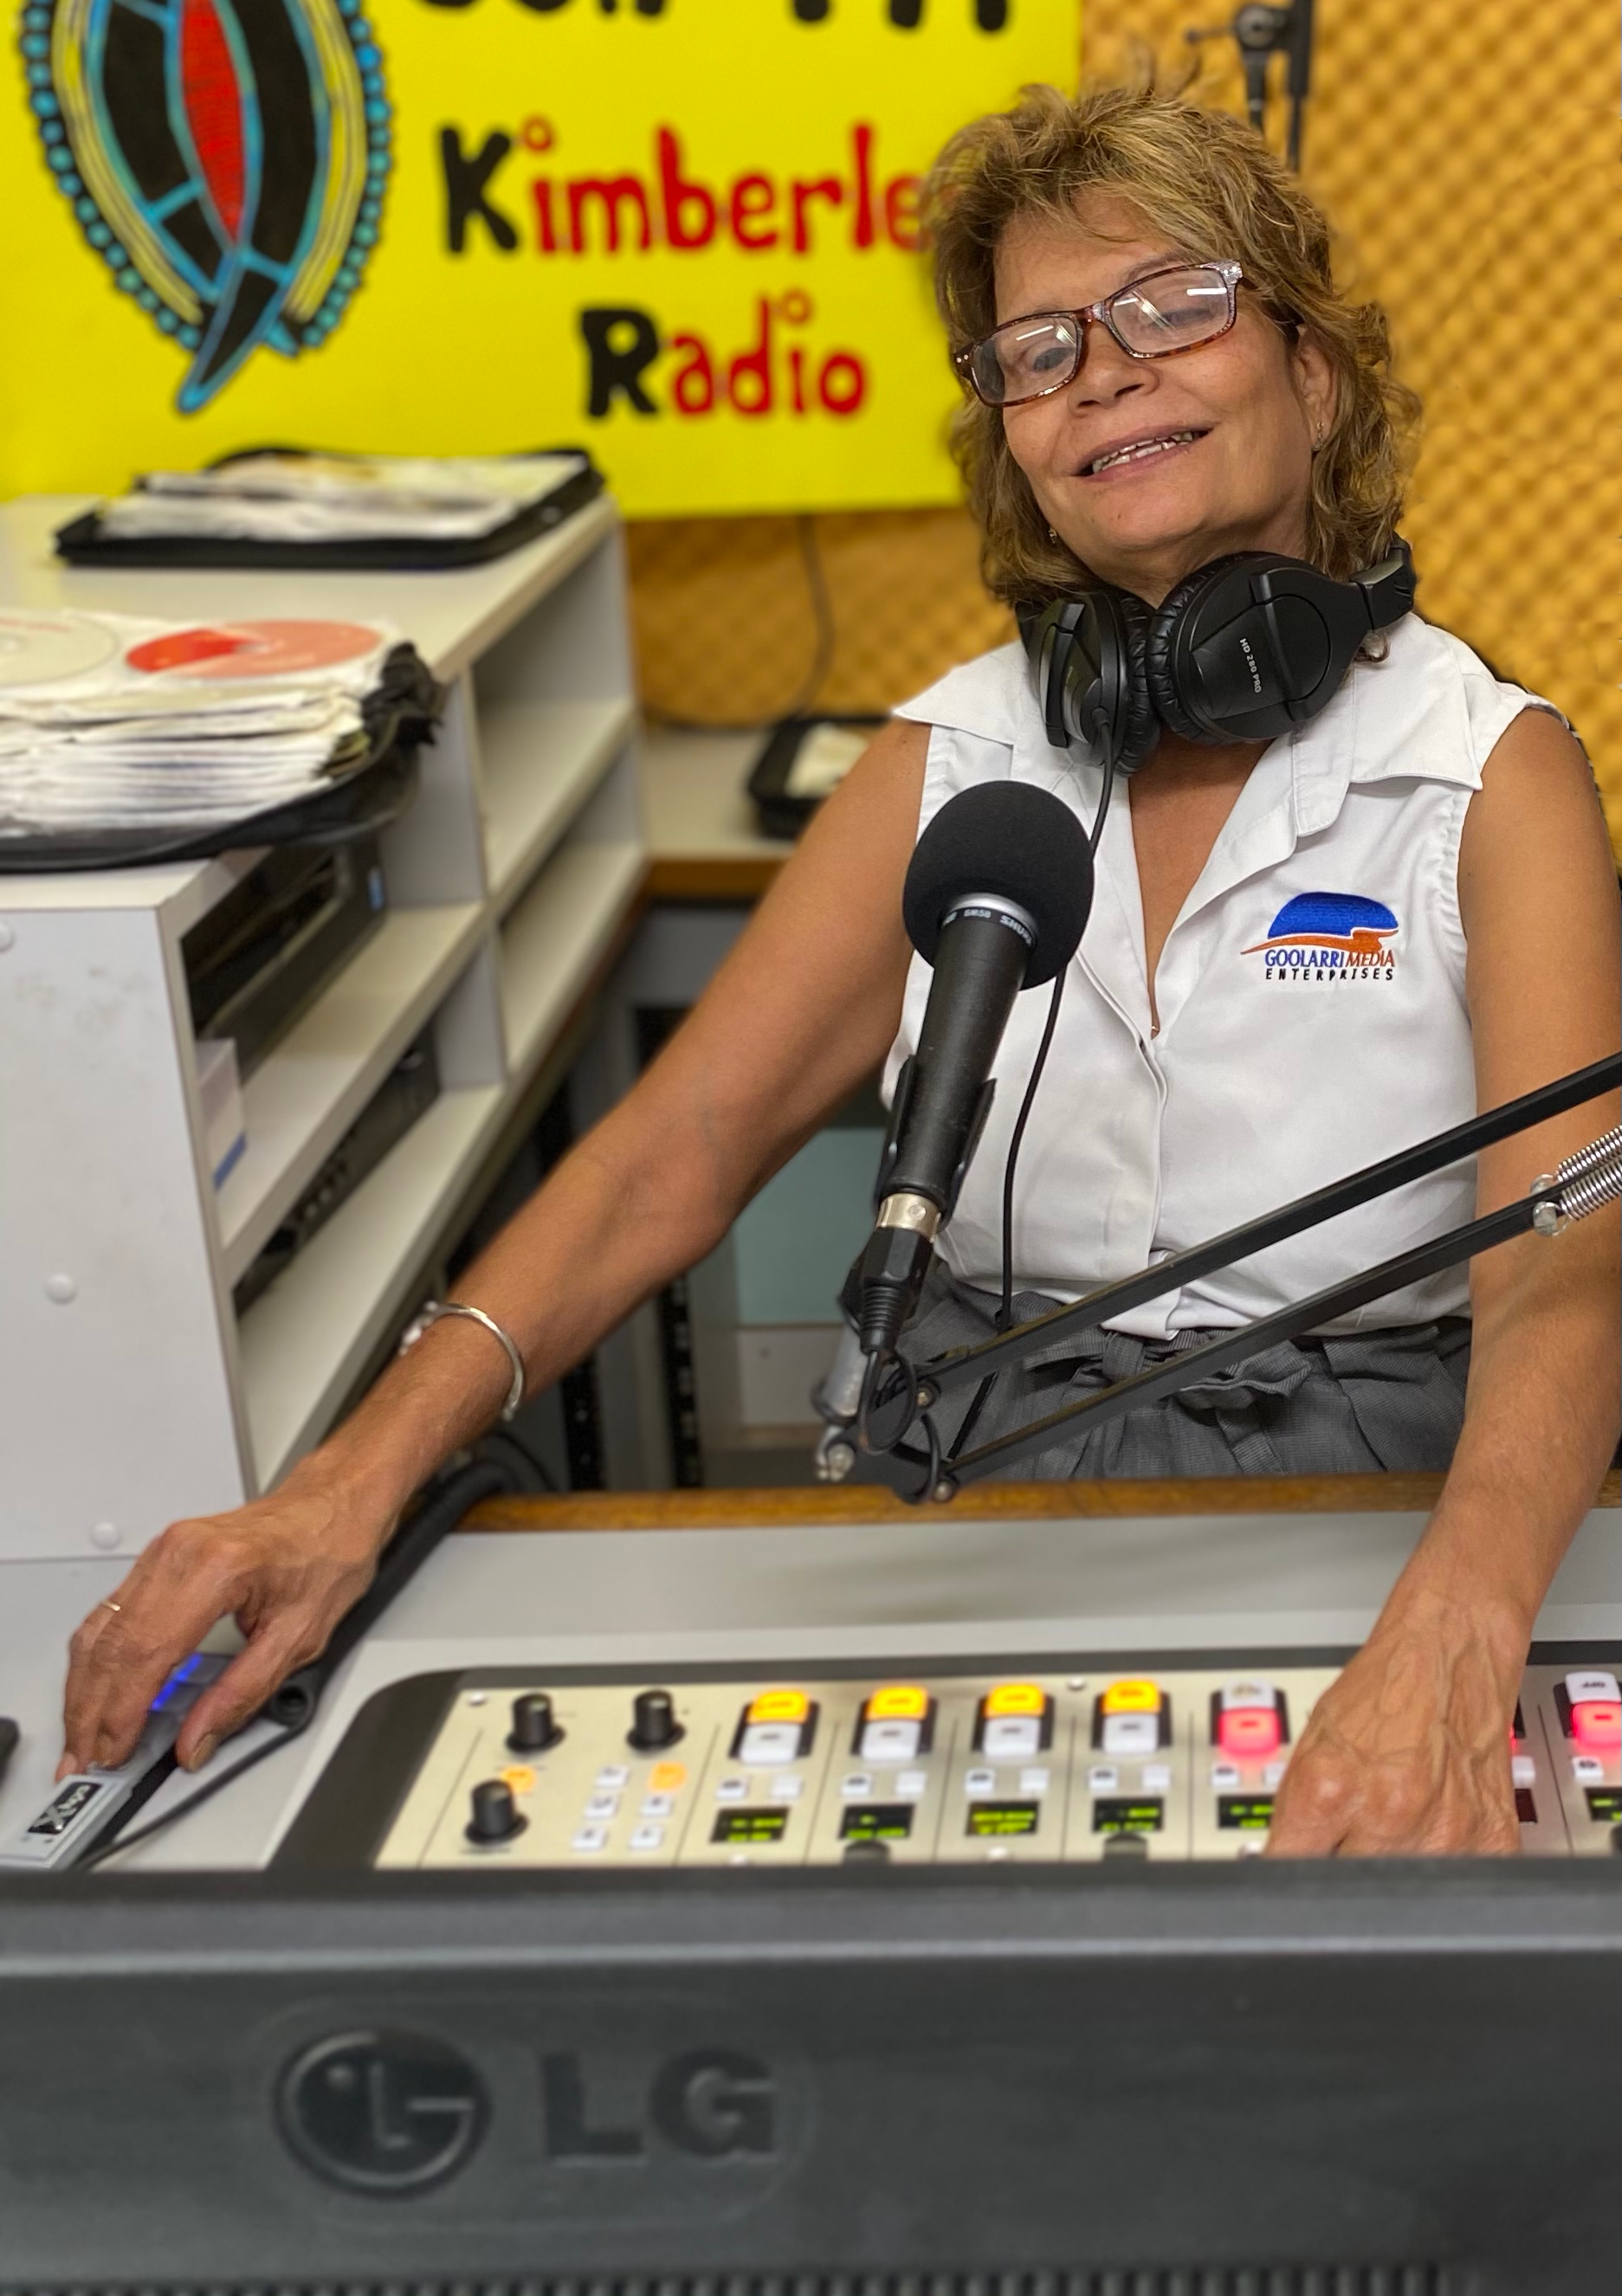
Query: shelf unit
point(134, 1392)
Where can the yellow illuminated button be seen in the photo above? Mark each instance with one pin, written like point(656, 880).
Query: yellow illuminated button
point(898, 1701)
point(1132, 1698)
point(667, 1777)
point(1015, 1698)
point(780, 1706)
point(521, 1780)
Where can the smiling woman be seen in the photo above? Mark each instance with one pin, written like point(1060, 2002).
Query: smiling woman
point(1174, 427)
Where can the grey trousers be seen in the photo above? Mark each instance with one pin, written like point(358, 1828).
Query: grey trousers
point(1358, 1404)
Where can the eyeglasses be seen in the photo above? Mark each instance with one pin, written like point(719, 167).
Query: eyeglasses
point(1150, 318)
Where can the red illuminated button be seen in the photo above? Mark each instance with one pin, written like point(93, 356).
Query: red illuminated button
point(1597, 1722)
point(1249, 1734)
point(1596, 1709)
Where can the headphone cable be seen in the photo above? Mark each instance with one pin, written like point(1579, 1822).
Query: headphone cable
point(1005, 1312)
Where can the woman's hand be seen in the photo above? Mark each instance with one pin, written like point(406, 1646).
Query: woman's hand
point(287, 1568)
point(1407, 1754)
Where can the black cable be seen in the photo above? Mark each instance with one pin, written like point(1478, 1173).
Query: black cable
point(122, 1841)
point(822, 608)
point(823, 658)
point(1005, 1312)
point(292, 1704)
point(530, 1456)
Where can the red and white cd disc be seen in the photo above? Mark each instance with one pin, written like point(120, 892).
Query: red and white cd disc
point(266, 649)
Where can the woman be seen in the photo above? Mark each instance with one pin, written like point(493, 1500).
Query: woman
point(1188, 1089)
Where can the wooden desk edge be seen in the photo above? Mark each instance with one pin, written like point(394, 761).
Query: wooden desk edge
point(734, 1510)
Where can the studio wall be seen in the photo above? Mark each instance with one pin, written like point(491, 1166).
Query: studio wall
point(1468, 161)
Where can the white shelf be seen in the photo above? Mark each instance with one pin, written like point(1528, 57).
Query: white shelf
point(555, 936)
point(310, 1089)
point(539, 762)
point(304, 1344)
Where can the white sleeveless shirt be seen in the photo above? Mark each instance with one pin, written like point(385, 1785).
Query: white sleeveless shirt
point(1310, 996)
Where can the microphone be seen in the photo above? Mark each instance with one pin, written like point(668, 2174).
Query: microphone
point(995, 899)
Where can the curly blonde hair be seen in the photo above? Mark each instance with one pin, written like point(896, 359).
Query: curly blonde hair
point(1206, 182)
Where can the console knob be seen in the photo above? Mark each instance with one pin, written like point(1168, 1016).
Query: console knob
point(653, 1720)
point(534, 1724)
point(496, 1815)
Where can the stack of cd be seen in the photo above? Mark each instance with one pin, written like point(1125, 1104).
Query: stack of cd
point(110, 721)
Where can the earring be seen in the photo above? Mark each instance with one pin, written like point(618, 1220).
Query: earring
point(1053, 534)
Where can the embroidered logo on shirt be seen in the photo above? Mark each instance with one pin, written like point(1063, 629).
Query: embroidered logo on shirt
point(1329, 937)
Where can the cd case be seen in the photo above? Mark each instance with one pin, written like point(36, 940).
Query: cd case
point(84, 542)
point(803, 762)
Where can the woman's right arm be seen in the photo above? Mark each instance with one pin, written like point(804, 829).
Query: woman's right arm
point(803, 1009)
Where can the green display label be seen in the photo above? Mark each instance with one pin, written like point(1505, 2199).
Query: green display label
point(877, 1821)
point(741, 1828)
point(1244, 1813)
point(1605, 1804)
point(1122, 1814)
point(988, 1820)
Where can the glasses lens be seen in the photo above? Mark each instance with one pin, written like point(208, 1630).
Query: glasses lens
point(1173, 309)
point(1026, 357)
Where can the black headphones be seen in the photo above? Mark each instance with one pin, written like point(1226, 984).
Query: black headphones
point(1239, 650)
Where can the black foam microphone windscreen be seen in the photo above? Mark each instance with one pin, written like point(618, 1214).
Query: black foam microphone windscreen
point(1007, 839)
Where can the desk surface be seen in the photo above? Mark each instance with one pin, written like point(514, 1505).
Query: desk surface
point(804, 1581)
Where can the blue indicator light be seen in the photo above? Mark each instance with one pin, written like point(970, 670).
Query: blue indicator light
point(183, 1673)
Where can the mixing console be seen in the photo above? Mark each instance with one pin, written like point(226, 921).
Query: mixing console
point(951, 1764)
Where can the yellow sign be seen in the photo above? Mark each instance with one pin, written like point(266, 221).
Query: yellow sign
point(680, 233)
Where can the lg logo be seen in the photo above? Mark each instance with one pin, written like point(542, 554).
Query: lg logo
point(395, 2112)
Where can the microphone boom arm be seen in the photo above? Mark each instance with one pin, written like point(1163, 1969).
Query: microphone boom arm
point(1584, 1181)
point(1555, 1099)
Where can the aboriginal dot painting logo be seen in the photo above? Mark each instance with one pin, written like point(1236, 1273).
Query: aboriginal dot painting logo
point(225, 159)
point(1329, 937)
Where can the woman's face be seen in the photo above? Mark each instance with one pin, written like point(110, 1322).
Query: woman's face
point(1253, 400)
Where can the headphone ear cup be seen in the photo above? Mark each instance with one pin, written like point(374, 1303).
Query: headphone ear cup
point(1160, 645)
point(1141, 727)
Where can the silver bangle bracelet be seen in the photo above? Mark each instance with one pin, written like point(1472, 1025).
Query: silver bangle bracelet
point(431, 1312)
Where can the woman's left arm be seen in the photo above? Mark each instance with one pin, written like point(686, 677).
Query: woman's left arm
point(1408, 1751)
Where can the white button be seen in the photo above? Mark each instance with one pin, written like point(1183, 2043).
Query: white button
point(658, 1805)
point(612, 1781)
point(979, 1782)
point(911, 1785)
point(1011, 1738)
point(857, 1787)
point(1581, 1687)
point(1250, 1845)
point(737, 1789)
point(602, 1806)
point(1157, 1777)
point(1225, 1776)
point(1587, 1770)
point(891, 1740)
point(591, 1838)
point(789, 1787)
point(766, 1743)
point(1034, 1781)
point(1248, 1694)
point(1273, 1774)
point(647, 1837)
point(1103, 1778)
point(1523, 1770)
point(1131, 1733)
